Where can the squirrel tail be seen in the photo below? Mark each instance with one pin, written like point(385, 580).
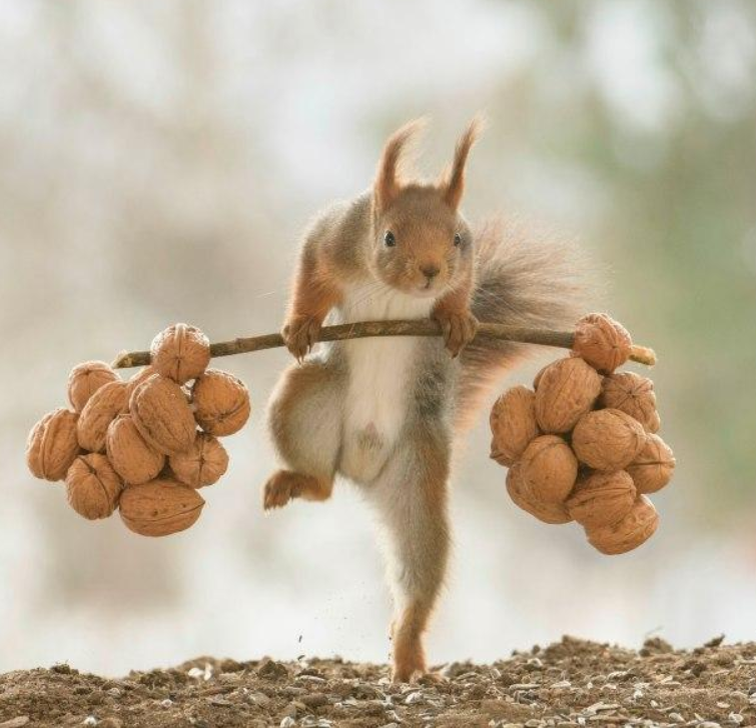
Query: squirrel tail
point(523, 279)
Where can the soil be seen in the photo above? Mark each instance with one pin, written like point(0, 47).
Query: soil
point(571, 684)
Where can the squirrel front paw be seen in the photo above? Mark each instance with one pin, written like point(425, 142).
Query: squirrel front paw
point(300, 334)
point(459, 329)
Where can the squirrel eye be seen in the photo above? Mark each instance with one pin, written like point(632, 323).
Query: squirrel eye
point(389, 239)
point(457, 239)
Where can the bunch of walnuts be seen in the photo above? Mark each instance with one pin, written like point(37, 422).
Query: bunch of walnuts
point(582, 445)
point(144, 446)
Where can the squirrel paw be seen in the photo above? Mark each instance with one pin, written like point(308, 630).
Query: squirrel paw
point(300, 333)
point(459, 329)
point(285, 485)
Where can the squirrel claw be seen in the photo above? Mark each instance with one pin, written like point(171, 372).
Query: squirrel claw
point(300, 334)
point(458, 329)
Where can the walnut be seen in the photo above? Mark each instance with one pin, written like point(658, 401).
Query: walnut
point(52, 445)
point(568, 389)
point(653, 466)
point(162, 415)
point(160, 507)
point(513, 424)
point(102, 408)
point(601, 499)
point(607, 439)
point(132, 458)
point(553, 513)
point(629, 532)
point(221, 402)
point(141, 376)
point(202, 464)
point(92, 486)
point(549, 469)
point(85, 379)
point(602, 342)
point(180, 352)
point(633, 395)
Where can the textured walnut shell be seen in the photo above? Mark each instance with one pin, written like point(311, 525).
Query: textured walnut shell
point(202, 464)
point(52, 445)
point(221, 402)
point(180, 352)
point(132, 458)
point(553, 513)
point(162, 415)
point(102, 408)
point(513, 424)
point(633, 395)
point(549, 469)
point(653, 467)
point(92, 486)
point(628, 533)
point(602, 342)
point(85, 379)
point(602, 499)
point(141, 376)
point(160, 507)
point(607, 439)
point(567, 389)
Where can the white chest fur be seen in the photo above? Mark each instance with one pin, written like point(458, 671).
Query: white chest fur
point(380, 372)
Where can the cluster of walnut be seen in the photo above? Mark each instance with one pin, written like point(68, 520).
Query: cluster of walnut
point(143, 446)
point(582, 445)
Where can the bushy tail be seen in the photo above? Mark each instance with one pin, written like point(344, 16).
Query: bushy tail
point(523, 279)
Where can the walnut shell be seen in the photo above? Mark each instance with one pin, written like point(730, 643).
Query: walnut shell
point(160, 507)
point(180, 352)
point(52, 445)
point(602, 499)
point(202, 464)
point(132, 458)
point(92, 486)
point(628, 533)
point(162, 415)
point(221, 402)
point(549, 469)
point(102, 408)
point(567, 389)
point(513, 424)
point(553, 513)
point(85, 379)
point(537, 378)
point(602, 342)
point(632, 394)
point(653, 466)
point(607, 439)
point(141, 376)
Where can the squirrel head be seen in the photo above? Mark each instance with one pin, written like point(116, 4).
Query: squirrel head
point(421, 243)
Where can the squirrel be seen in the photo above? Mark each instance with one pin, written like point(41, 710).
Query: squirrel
point(384, 412)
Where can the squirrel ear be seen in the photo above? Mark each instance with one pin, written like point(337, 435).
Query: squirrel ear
point(387, 186)
point(453, 182)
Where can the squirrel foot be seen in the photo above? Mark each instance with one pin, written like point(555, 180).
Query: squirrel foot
point(459, 329)
point(300, 334)
point(285, 485)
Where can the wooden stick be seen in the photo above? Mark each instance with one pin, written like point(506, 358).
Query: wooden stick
point(520, 334)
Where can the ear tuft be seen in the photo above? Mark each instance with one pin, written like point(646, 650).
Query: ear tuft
point(453, 183)
point(387, 184)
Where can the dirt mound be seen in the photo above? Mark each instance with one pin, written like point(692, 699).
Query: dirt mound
point(571, 684)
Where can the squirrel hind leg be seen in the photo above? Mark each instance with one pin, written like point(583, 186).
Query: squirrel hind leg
point(411, 497)
point(305, 422)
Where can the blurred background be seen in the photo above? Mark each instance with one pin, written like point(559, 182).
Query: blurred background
point(157, 164)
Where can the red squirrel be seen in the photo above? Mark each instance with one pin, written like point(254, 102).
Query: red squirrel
point(383, 412)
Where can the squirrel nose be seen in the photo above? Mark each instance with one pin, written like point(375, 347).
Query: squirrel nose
point(429, 271)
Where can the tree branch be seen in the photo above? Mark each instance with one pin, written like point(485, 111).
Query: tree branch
point(520, 334)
